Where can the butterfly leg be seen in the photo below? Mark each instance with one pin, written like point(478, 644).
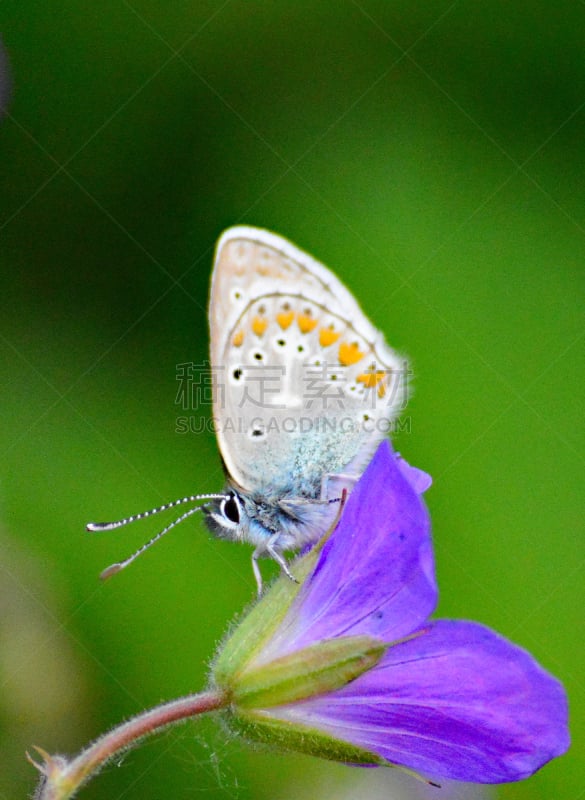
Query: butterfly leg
point(256, 569)
point(278, 557)
point(332, 486)
point(273, 553)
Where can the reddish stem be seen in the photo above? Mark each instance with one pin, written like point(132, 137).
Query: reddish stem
point(61, 779)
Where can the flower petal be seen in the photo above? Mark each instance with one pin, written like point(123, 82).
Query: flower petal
point(375, 575)
point(418, 478)
point(458, 701)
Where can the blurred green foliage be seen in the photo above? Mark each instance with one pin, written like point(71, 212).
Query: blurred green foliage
point(432, 155)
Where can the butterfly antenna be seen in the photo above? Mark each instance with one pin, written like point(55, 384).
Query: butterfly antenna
point(114, 568)
point(110, 526)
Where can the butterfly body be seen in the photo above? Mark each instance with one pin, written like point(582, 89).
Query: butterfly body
point(270, 513)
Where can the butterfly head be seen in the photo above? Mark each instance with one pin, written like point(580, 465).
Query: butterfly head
point(227, 516)
point(243, 516)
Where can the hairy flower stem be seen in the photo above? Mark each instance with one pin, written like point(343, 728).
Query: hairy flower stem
point(61, 779)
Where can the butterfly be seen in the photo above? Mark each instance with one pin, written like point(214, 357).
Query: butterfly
point(305, 388)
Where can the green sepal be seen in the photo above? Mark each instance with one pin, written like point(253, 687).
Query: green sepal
point(259, 726)
point(257, 627)
point(322, 667)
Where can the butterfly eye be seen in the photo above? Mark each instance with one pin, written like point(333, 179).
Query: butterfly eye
point(230, 508)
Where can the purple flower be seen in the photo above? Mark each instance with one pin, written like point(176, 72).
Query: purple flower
point(447, 698)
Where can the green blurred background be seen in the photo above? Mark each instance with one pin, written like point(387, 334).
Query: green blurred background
point(433, 155)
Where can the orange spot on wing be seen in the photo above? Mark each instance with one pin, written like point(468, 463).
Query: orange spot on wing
point(285, 318)
point(306, 323)
point(328, 337)
point(372, 379)
point(259, 325)
point(349, 353)
point(238, 338)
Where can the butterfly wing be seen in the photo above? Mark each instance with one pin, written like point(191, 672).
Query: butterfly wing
point(306, 386)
